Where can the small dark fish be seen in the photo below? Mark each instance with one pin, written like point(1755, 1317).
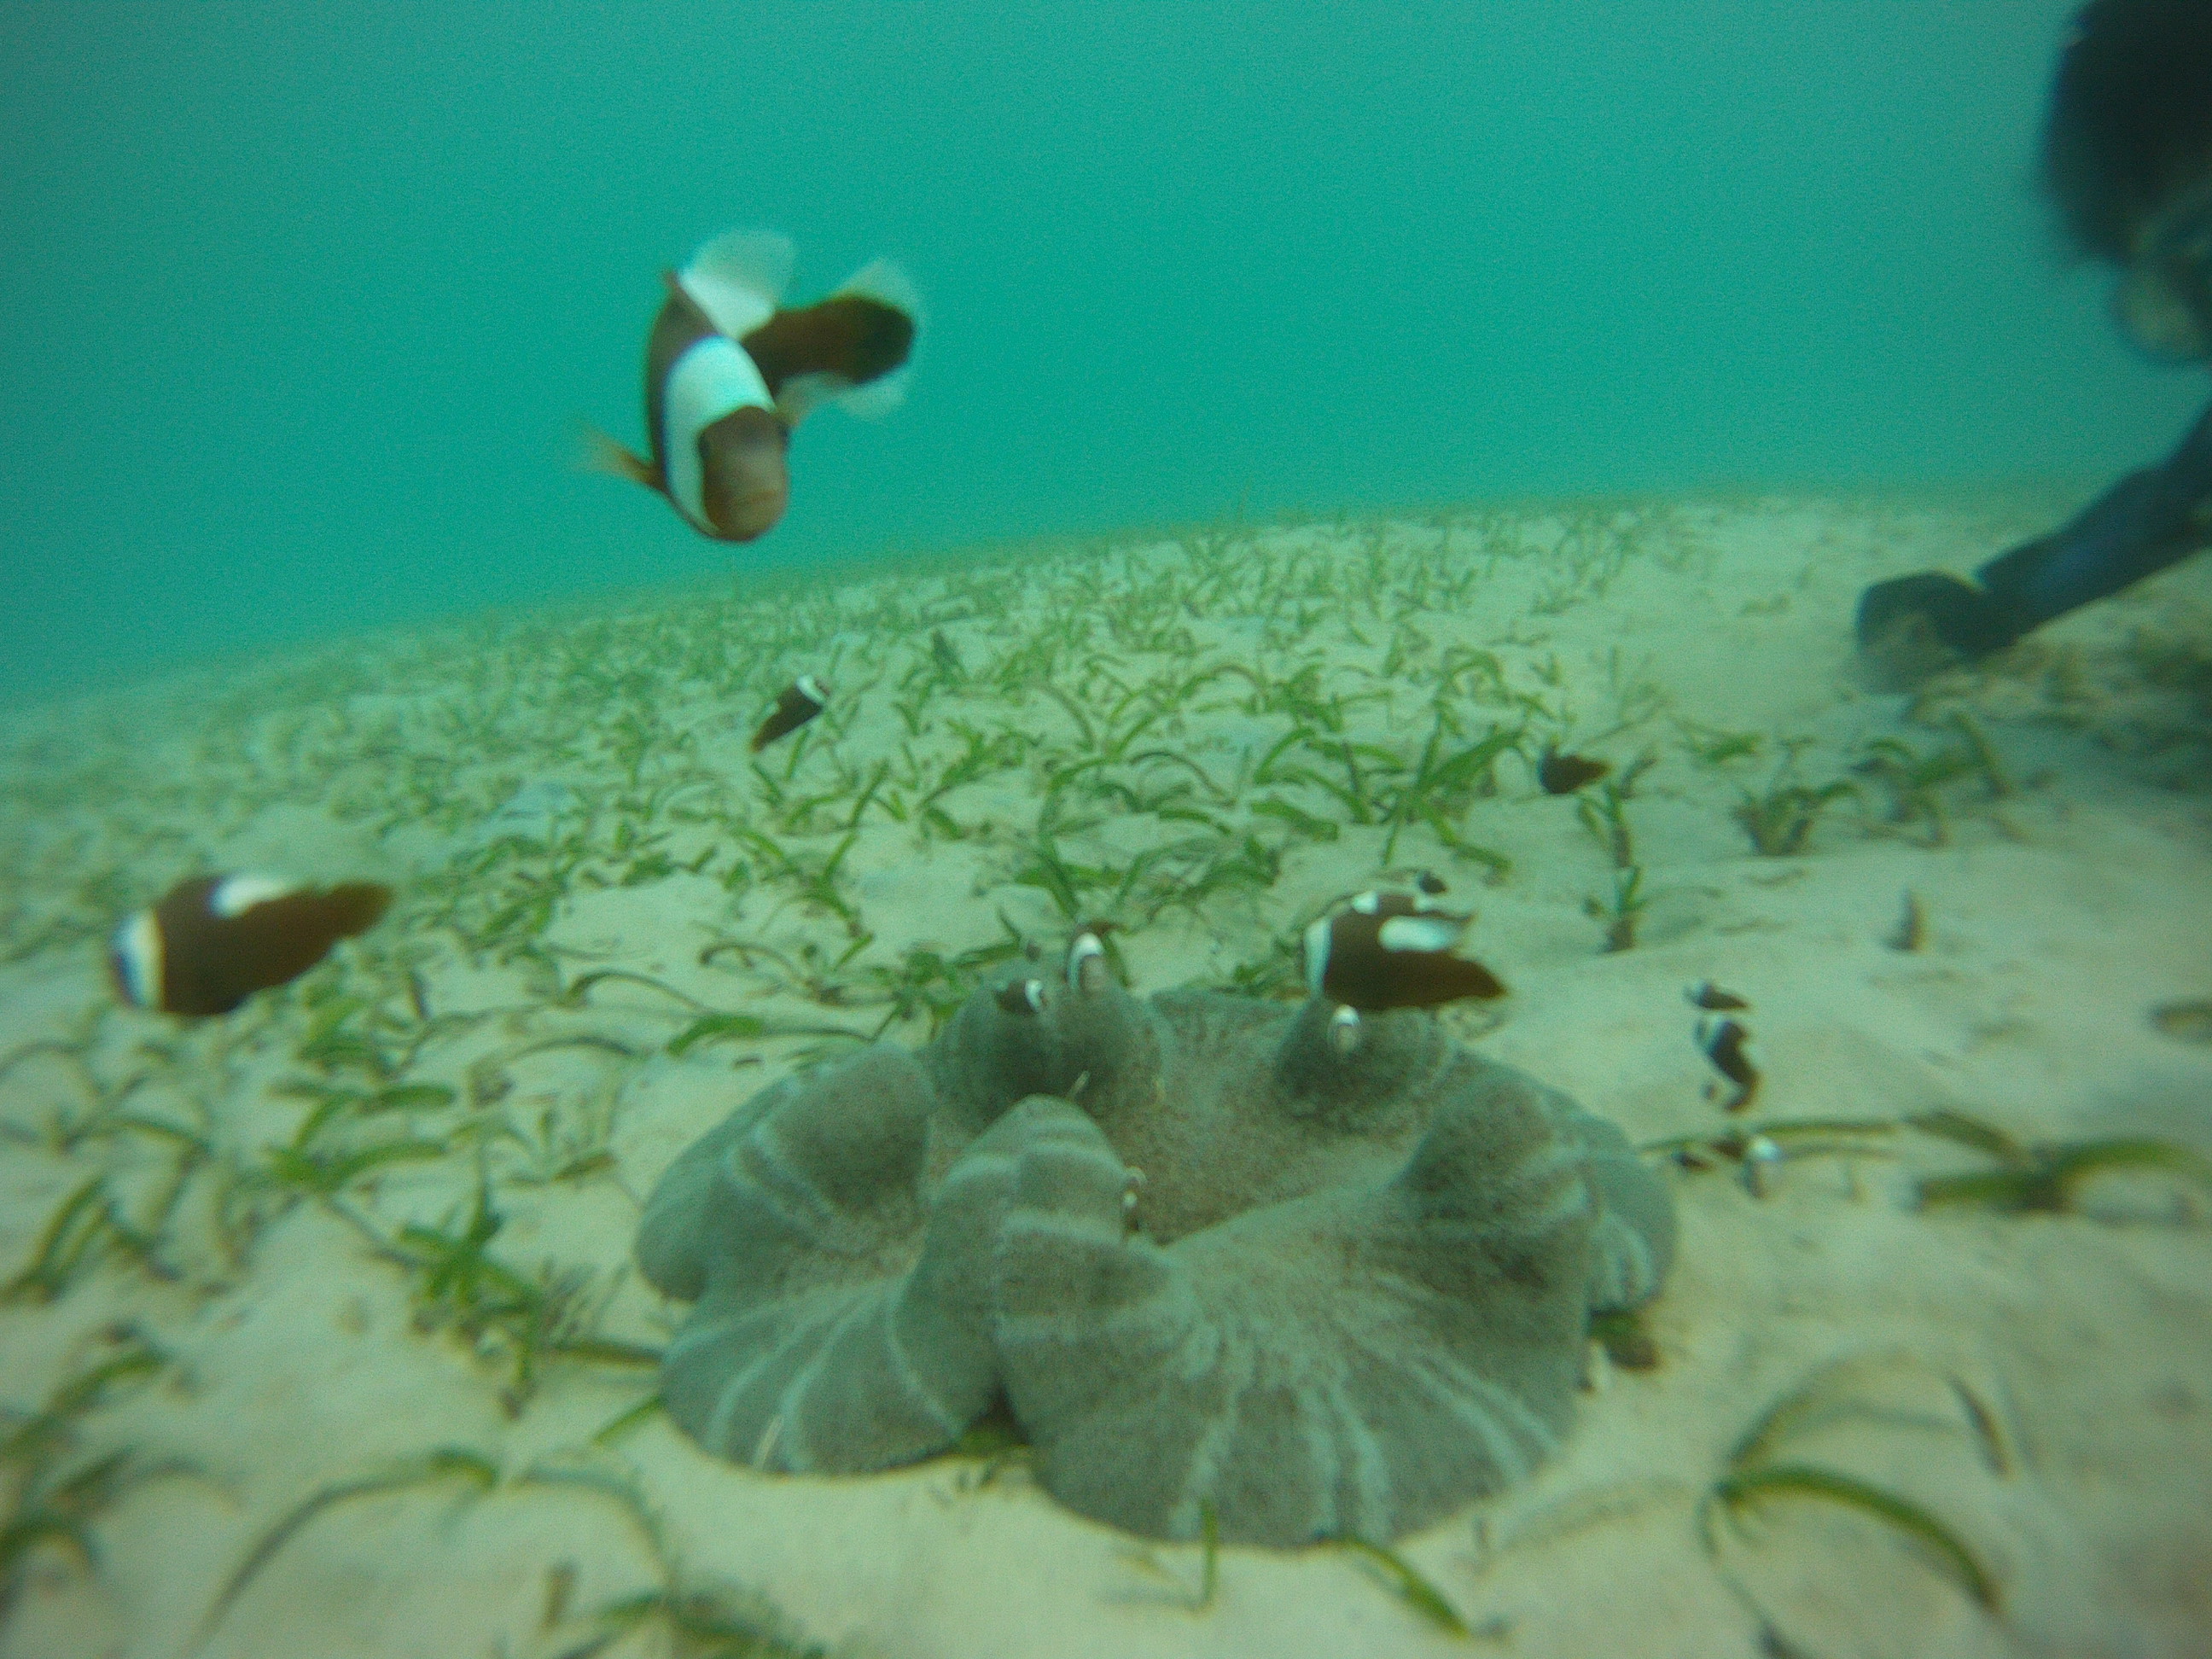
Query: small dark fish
point(1912, 929)
point(1707, 996)
point(1393, 951)
point(944, 653)
point(1726, 1043)
point(1430, 883)
point(1024, 997)
point(796, 704)
point(1625, 1336)
point(729, 373)
point(2188, 1022)
point(1562, 775)
point(214, 941)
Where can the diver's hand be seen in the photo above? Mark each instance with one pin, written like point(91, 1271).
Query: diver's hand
point(1912, 628)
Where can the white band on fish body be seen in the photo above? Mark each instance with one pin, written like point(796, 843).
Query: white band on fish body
point(139, 955)
point(1316, 954)
point(238, 894)
point(1430, 932)
point(710, 381)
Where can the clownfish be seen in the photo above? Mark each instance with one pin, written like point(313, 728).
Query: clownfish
point(1726, 1043)
point(214, 941)
point(1562, 773)
point(728, 375)
point(1393, 951)
point(796, 704)
point(1023, 997)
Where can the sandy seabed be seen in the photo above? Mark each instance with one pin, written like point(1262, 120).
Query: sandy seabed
point(320, 1336)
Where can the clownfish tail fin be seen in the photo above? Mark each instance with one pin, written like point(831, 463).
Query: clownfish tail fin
point(597, 452)
point(886, 282)
point(862, 359)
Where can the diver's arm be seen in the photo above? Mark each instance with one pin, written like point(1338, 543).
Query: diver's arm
point(2147, 521)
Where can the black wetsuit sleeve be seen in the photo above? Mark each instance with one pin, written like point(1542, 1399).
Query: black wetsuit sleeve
point(2147, 521)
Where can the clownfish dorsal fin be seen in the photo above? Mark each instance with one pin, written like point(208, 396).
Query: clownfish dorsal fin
point(738, 279)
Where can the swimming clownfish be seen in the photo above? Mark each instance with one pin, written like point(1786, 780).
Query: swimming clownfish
point(728, 375)
point(796, 704)
point(214, 941)
point(1393, 951)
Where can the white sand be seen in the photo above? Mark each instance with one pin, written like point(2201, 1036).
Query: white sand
point(2056, 917)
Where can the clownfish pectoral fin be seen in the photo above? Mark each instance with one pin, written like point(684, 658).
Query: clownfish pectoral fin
point(802, 394)
point(738, 278)
point(874, 400)
point(597, 452)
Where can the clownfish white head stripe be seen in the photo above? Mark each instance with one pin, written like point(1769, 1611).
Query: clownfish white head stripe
point(214, 941)
point(1024, 997)
point(728, 373)
point(138, 960)
point(1087, 965)
point(1316, 954)
point(713, 379)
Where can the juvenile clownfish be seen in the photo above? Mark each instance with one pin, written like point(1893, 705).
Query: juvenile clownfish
point(1393, 951)
point(1711, 998)
point(1562, 774)
point(796, 704)
point(1021, 997)
point(1727, 1044)
point(728, 375)
point(214, 941)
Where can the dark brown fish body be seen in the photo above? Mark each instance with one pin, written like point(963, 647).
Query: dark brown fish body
point(1727, 1045)
point(214, 941)
point(796, 704)
point(855, 338)
point(1562, 775)
point(1393, 951)
point(728, 375)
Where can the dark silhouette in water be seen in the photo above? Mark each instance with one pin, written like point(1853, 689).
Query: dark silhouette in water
point(2127, 161)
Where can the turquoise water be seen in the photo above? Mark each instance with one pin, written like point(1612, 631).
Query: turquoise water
point(303, 300)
